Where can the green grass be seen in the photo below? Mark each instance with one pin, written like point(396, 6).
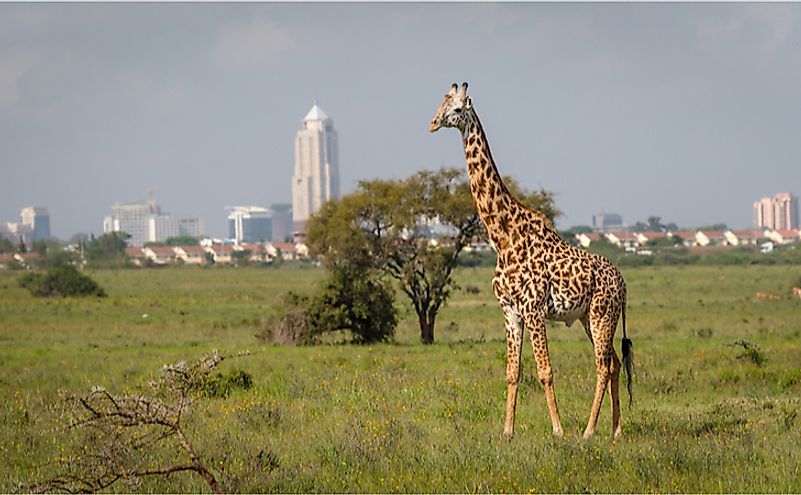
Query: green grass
point(410, 418)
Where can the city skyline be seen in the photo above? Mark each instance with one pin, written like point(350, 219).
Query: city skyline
point(685, 111)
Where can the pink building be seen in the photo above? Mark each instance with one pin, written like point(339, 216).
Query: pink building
point(777, 213)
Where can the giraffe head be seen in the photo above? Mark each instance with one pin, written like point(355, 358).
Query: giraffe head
point(454, 110)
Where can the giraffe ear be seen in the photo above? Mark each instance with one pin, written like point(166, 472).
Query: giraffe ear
point(468, 103)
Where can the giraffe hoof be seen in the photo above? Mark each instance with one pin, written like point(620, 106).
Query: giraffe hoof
point(587, 435)
point(558, 433)
point(618, 434)
point(507, 435)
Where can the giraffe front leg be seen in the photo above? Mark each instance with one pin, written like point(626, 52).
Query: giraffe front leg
point(539, 342)
point(514, 341)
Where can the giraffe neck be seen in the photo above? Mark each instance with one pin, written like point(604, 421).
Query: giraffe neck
point(491, 195)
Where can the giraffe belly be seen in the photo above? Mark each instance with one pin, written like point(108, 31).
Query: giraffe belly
point(561, 308)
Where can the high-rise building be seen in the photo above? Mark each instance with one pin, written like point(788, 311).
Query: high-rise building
point(785, 211)
point(282, 221)
point(35, 224)
point(250, 224)
point(602, 222)
point(763, 213)
point(145, 222)
point(133, 219)
point(777, 213)
point(316, 178)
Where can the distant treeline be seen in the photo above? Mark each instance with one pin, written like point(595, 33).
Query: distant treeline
point(670, 256)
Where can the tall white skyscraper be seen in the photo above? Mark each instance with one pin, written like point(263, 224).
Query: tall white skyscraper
point(316, 178)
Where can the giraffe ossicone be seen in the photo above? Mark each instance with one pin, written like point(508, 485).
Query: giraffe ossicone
point(539, 276)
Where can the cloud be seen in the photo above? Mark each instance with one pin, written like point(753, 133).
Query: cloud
point(255, 43)
point(149, 93)
point(13, 66)
point(755, 32)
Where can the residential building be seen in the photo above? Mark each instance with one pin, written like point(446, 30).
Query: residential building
point(687, 237)
point(191, 255)
point(221, 253)
point(249, 224)
point(159, 255)
point(777, 213)
point(136, 255)
point(785, 211)
point(650, 235)
point(707, 237)
point(744, 237)
point(783, 236)
point(316, 177)
point(622, 239)
point(585, 239)
point(258, 252)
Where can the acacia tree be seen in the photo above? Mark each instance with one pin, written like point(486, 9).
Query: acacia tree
point(384, 225)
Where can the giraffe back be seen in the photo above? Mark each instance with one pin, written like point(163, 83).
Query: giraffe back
point(537, 267)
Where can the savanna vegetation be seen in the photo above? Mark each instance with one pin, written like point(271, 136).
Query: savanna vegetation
point(716, 397)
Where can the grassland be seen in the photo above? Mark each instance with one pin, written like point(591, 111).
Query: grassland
point(405, 417)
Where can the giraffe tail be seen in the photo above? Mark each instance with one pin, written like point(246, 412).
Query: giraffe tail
point(628, 356)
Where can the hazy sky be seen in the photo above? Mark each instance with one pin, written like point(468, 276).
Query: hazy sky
point(687, 111)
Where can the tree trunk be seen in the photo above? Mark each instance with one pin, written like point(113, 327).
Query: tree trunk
point(426, 327)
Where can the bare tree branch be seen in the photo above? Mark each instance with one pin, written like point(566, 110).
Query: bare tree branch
point(121, 430)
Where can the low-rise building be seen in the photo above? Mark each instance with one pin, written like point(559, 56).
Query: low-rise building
point(287, 250)
point(783, 236)
point(687, 237)
point(651, 235)
point(136, 255)
point(584, 239)
point(159, 255)
point(191, 255)
point(221, 253)
point(710, 237)
point(258, 252)
point(746, 237)
point(622, 239)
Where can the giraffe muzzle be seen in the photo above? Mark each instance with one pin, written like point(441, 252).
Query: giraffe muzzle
point(433, 127)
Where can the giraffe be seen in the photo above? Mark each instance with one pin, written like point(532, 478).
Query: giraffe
point(539, 276)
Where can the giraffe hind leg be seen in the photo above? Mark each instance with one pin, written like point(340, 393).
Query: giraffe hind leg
point(602, 343)
point(614, 394)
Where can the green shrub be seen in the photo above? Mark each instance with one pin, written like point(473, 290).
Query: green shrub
point(294, 325)
point(352, 299)
point(61, 281)
point(751, 352)
point(221, 386)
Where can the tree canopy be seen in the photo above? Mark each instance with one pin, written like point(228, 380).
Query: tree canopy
point(411, 230)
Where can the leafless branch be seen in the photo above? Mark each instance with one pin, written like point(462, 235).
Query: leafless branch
point(120, 430)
